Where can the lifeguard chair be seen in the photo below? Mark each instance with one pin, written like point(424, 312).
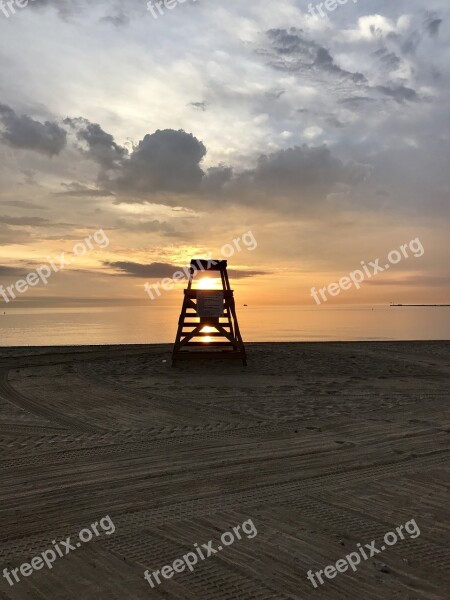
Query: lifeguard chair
point(208, 326)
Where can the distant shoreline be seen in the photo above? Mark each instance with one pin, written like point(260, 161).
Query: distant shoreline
point(433, 305)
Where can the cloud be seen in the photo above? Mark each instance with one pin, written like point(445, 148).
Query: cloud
point(164, 161)
point(26, 133)
point(292, 51)
point(388, 60)
point(355, 102)
point(24, 221)
point(120, 19)
point(299, 167)
point(296, 179)
point(10, 236)
point(154, 226)
point(430, 27)
point(216, 178)
point(100, 146)
point(433, 27)
point(358, 94)
point(31, 222)
point(11, 271)
point(22, 204)
point(399, 93)
point(198, 105)
point(133, 269)
point(169, 161)
point(78, 190)
point(239, 274)
point(64, 7)
point(160, 270)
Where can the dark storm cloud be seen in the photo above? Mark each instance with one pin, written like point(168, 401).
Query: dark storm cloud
point(161, 270)
point(292, 51)
point(100, 145)
point(303, 171)
point(216, 178)
point(169, 161)
point(24, 132)
point(165, 161)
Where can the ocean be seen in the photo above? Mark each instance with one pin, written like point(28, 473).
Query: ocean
point(157, 324)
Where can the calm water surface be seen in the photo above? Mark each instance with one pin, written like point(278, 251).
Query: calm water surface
point(157, 324)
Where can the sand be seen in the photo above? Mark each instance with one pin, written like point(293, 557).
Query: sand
point(322, 446)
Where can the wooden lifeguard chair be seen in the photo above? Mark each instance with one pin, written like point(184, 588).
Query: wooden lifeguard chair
point(208, 326)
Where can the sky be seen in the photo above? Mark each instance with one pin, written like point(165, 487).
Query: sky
point(326, 137)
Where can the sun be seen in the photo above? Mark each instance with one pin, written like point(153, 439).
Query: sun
point(207, 338)
point(208, 283)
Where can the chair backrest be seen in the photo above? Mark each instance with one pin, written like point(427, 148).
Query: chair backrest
point(202, 264)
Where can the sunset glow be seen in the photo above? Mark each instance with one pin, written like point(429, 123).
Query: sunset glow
point(207, 329)
point(208, 283)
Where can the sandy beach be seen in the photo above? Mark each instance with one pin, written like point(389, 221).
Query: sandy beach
point(323, 446)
